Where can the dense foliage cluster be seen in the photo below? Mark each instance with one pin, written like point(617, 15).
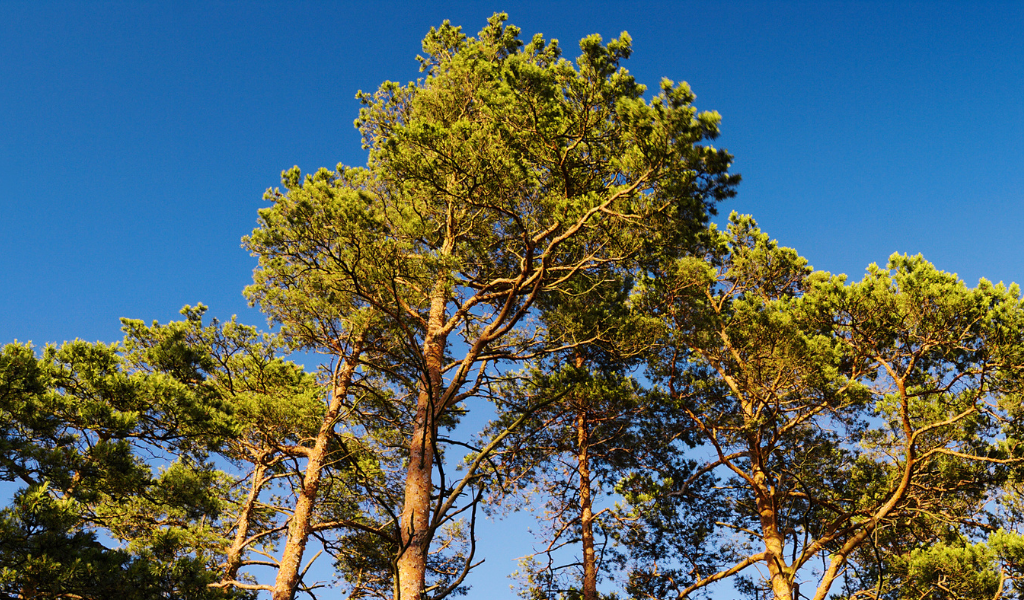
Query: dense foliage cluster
point(691, 411)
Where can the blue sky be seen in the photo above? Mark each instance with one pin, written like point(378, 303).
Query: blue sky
point(136, 139)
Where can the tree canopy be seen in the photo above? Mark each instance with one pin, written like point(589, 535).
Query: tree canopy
point(686, 407)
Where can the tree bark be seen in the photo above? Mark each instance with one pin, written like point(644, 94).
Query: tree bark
point(299, 526)
point(412, 563)
point(244, 522)
point(416, 532)
point(586, 508)
point(774, 542)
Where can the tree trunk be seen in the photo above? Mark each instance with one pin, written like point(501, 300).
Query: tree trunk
point(299, 526)
point(234, 552)
point(415, 519)
point(412, 563)
point(774, 541)
point(782, 585)
point(586, 508)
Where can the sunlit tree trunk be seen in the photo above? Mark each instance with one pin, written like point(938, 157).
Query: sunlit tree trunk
point(234, 552)
point(781, 582)
point(586, 508)
point(416, 532)
point(300, 525)
point(415, 521)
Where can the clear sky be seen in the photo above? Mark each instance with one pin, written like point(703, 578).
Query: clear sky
point(137, 138)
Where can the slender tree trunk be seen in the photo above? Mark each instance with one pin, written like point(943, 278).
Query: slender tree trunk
point(416, 532)
point(244, 522)
point(586, 508)
point(299, 526)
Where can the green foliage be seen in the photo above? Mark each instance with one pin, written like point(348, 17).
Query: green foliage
point(951, 572)
point(529, 231)
point(504, 177)
point(504, 159)
point(846, 419)
point(277, 414)
point(79, 423)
